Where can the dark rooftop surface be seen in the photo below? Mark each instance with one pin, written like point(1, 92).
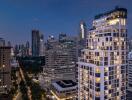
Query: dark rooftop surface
point(109, 12)
point(66, 83)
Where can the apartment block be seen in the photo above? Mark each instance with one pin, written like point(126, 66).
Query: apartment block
point(102, 66)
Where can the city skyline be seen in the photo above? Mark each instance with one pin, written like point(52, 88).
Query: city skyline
point(65, 50)
point(18, 18)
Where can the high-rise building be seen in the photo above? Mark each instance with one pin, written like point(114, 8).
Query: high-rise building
point(22, 49)
point(130, 71)
point(60, 62)
point(102, 66)
point(27, 48)
point(51, 42)
point(62, 37)
point(9, 43)
point(83, 31)
point(16, 50)
point(35, 42)
point(42, 46)
point(82, 37)
point(5, 69)
point(2, 42)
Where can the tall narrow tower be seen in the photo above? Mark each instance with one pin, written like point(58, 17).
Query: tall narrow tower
point(35, 42)
point(82, 33)
point(27, 47)
point(102, 67)
point(42, 46)
point(83, 29)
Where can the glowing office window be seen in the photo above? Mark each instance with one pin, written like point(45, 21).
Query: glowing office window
point(97, 93)
point(97, 80)
point(109, 86)
point(106, 92)
point(109, 95)
point(113, 22)
point(116, 39)
point(97, 70)
point(123, 22)
point(106, 69)
point(106, 78)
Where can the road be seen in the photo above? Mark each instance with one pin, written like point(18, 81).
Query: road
point(19, 94)
point(29, 90)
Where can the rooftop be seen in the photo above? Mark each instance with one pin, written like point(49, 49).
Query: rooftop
point(66, 83)
point(109, 12)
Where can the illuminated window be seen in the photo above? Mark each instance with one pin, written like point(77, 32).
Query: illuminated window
point(97, 80)
point(109, 86)
point(106, 78)
point(114, 21)
point(123, 22)
point(106, 69)
point(97, 70)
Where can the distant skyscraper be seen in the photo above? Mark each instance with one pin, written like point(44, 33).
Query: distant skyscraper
point(42, 46)
point(82, 34)
point(35, 42)
point(27, 44)
point(51, 42)
point(27, 48)
point(9, 43)
point(102, 67)
point(62, 37)
point(2, 42)
point(22, 50)
point(5, 69)
point(82, 37)
point(83, 30)
point(16, 50)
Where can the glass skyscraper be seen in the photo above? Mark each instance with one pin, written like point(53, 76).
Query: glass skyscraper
point(35, 42)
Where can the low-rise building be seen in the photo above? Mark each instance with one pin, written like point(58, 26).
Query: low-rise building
point(64, 90)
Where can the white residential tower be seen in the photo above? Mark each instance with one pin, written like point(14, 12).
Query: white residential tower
point(102, 66)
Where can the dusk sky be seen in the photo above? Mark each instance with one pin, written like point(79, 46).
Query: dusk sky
point(19, 17)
